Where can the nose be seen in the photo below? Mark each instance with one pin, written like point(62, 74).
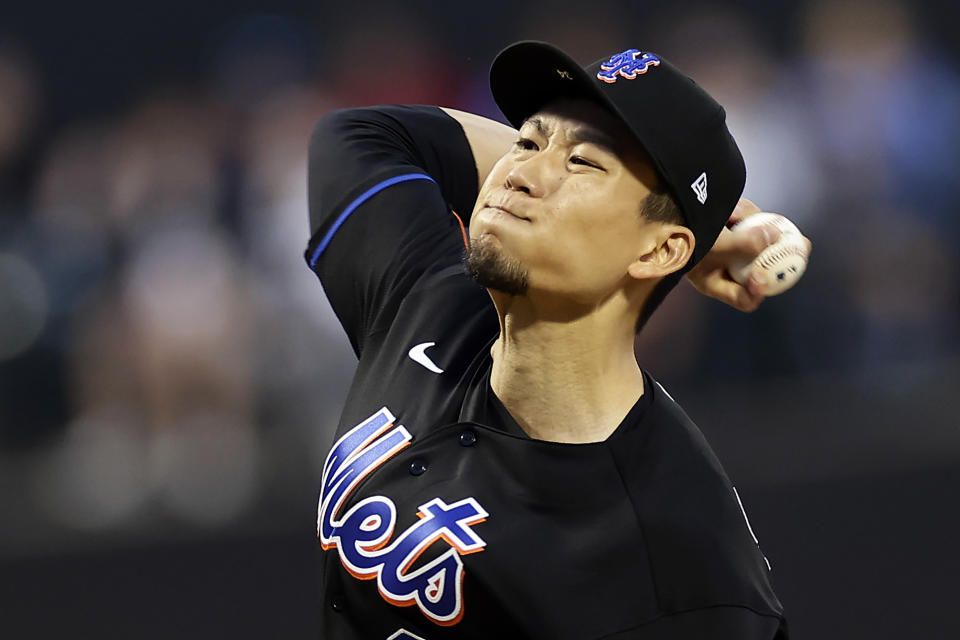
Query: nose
point(529, 176)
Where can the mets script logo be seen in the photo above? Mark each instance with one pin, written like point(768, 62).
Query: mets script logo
point(628, 64)
point(363, 534)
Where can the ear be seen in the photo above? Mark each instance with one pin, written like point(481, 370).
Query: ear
point(668, 250)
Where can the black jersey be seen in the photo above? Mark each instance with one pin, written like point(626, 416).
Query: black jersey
point(438, 517)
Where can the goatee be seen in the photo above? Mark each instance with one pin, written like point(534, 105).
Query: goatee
point(493, 270)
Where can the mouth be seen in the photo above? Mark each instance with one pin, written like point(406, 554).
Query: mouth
point(507, 211)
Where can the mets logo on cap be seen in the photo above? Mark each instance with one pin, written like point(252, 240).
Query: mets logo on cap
point(628, 64)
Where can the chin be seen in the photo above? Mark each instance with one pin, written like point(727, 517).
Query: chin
point(490, 267)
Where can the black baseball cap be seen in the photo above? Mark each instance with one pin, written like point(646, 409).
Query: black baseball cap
point(681, 127)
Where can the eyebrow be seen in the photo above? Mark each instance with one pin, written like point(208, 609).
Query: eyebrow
point(538, 124)
point(579, 135)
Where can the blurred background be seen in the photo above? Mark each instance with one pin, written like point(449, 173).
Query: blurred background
point(170, 373)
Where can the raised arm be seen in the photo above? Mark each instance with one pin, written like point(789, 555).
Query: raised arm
point(382, 184)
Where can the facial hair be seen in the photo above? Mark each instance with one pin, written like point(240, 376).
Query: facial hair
point(493, 270)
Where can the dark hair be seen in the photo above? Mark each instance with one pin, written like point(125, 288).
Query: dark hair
point(660, 206)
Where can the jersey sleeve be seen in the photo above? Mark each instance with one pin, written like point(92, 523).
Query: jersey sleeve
point(712, 623)
point(385, 184)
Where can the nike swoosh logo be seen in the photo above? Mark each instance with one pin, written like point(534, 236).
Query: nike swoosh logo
point(419, 355)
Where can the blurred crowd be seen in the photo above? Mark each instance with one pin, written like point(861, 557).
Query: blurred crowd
point(165, 352)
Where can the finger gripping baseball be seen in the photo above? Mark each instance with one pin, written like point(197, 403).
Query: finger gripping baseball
point(782, 263)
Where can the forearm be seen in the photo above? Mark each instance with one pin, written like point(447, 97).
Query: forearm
point(489, 140)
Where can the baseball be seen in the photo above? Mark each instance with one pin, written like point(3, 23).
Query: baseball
point(783, 262)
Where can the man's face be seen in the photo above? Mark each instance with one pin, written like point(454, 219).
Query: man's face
point(559, 213)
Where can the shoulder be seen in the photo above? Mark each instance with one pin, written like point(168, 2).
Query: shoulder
point(665, 446)
point(701, 549)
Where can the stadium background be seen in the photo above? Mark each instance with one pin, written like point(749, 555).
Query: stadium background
point(169, 372)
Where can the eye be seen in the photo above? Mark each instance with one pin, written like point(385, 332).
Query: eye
point(526, 144)
point(583, 161)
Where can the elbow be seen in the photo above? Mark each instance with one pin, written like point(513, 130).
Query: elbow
point(331, 129)
point(336, 128)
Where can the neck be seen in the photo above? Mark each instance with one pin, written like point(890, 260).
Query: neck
point(566, 375)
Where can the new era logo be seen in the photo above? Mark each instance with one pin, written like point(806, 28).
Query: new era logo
point(699, 187)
